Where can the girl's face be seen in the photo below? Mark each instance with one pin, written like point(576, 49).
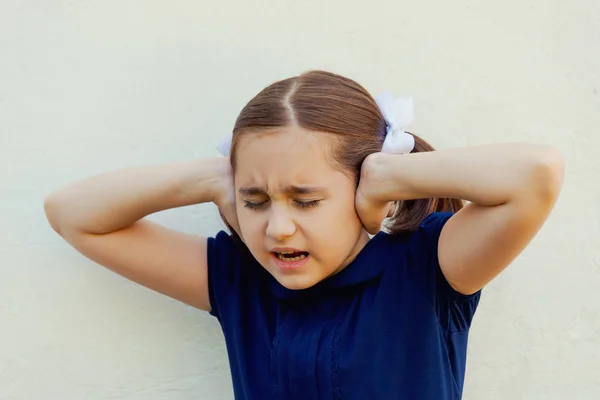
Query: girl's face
point(295, 210)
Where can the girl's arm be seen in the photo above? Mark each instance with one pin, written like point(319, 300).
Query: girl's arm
point(511, 189)
point(102, 218)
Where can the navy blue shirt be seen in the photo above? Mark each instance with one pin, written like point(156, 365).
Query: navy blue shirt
point(388, 326)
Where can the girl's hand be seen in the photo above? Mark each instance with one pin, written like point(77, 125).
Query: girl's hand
point(370, 206)
point(225, 197)
point(372, 213)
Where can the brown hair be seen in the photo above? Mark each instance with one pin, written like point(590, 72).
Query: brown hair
point(325, 102)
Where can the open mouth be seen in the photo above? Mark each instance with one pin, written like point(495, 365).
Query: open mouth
point(291, 255)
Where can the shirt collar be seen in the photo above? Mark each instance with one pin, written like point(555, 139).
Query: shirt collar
point(368, 265)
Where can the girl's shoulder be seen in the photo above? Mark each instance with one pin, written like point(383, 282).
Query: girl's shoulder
point(414, 256)
point(230, 266)
point(422, 241)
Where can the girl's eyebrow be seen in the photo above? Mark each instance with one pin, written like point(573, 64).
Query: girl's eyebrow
point(290, 190)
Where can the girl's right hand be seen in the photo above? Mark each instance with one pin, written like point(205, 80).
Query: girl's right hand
point(225, 197)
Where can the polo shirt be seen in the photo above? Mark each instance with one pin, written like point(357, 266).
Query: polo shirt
point(388, 326)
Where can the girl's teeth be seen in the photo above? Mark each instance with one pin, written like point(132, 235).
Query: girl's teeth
point(298, 258)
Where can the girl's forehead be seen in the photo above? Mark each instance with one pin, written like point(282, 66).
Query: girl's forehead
point(282, 139)
point(291, 156)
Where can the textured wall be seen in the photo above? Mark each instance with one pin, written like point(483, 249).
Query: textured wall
point(90, 86)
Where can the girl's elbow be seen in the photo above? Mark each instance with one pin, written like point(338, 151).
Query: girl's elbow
point(51, 210)
point(547, 174)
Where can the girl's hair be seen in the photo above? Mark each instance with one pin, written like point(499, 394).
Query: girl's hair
point(329, 103)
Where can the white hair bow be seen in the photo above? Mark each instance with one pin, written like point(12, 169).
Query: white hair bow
point(224, 145)
point(398, 114)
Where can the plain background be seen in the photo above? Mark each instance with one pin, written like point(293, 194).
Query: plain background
point(88, 86)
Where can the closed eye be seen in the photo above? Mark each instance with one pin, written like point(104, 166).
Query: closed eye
point(306, 204)
point(255, 205)
point(252, 205)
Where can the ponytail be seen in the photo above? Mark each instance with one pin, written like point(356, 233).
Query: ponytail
point(408, 214)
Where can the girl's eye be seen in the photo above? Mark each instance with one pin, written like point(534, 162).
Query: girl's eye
point(261, 205)
point(254, 206)
point(307, 204)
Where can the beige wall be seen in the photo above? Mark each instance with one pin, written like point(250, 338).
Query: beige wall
point(90, 86)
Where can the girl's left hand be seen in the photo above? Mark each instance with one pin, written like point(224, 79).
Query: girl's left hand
point(372, 213)
point(371, 209)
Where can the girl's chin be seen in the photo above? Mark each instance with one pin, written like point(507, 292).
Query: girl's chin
point(297, 282)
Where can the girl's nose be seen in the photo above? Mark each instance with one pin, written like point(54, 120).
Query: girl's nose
point(280, 225)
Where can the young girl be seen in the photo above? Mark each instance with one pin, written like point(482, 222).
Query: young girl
point(310, 305)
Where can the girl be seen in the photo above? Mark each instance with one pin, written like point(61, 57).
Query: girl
point(310, 305)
